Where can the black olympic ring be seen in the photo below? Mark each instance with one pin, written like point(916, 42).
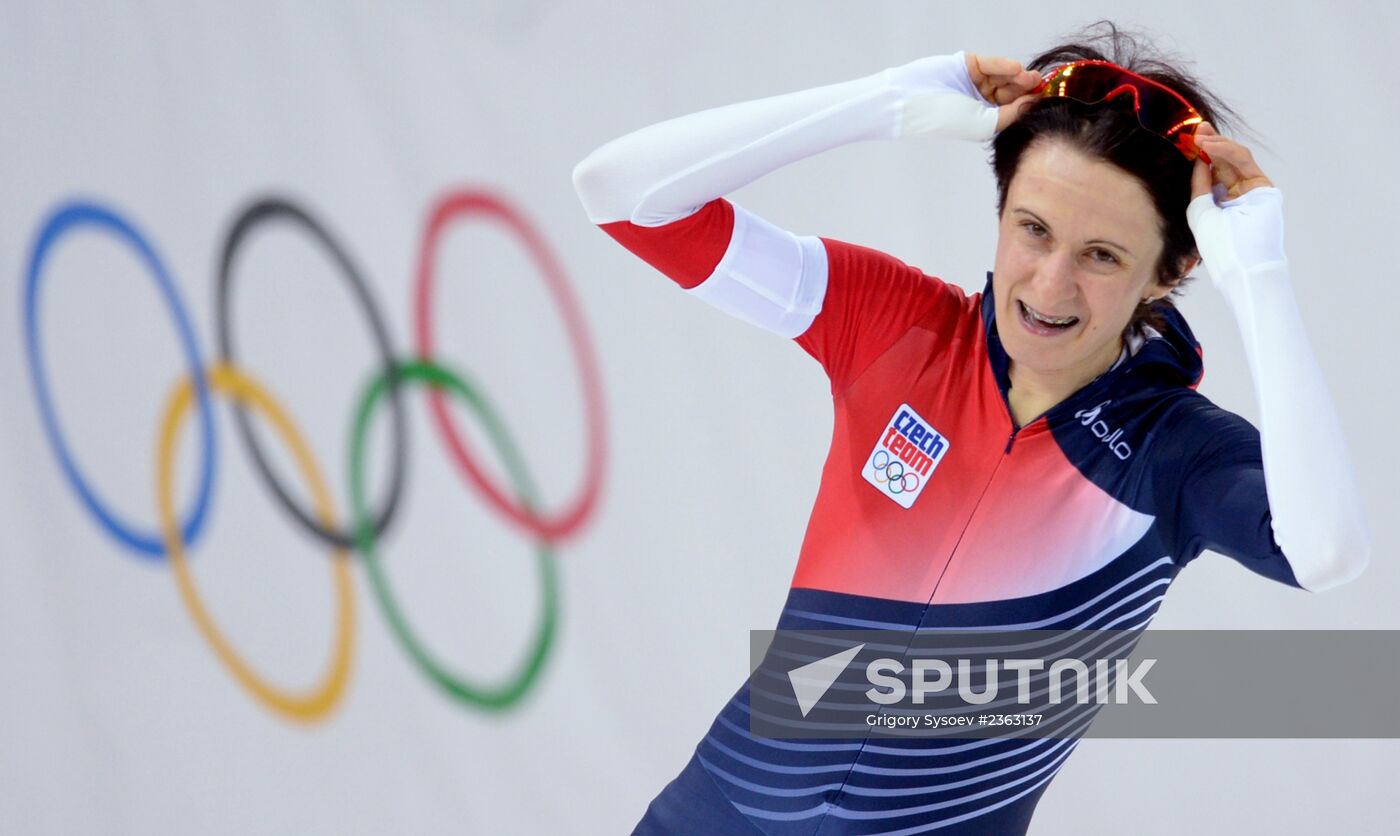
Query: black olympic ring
point(266, 209)
point(892, 477)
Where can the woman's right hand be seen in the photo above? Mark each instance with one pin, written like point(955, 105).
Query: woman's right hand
point(1003, 82)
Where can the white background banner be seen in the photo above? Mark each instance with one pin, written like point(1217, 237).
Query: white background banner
point(163, 122)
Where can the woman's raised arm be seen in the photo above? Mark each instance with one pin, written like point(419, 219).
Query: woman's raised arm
point(667, 171)
point(1314, 500)
point(658, 191)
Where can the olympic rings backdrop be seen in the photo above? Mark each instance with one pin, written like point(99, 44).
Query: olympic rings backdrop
point(351, 481)
point(173, 536)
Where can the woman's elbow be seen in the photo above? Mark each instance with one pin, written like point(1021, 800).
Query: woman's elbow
point(1336, 563)
point(595, 180)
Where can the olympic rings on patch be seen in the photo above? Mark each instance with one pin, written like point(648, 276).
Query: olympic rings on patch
point(902, 482)
point(887, 475)
point(365, 527)
point(891, 470)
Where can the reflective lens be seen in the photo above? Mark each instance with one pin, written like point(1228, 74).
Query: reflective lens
point(1159, 108)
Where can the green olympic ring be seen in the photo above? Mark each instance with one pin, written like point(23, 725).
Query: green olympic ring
point(505, 694)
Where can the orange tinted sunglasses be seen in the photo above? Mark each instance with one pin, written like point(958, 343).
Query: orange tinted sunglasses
point(1159, 108)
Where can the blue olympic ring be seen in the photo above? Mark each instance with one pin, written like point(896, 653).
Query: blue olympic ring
point(65, 218)
point(876, 463)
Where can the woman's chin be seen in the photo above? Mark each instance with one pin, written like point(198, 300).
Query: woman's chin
point(1036, 354)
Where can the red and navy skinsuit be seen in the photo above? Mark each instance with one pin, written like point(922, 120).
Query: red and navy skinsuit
point(1078, 520)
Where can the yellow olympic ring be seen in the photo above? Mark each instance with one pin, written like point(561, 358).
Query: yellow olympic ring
point(316, 702)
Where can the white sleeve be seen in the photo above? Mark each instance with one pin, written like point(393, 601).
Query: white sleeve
point(1314, 499)
point(768, 277)
point(666, 171)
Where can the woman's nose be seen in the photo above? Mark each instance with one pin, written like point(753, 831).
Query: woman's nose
point(1054, 279)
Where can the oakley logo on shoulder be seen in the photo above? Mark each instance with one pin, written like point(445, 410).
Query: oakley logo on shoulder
point(1100, 429)
point(905, 456)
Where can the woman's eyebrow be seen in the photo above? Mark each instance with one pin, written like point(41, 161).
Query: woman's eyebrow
point(1042, 222)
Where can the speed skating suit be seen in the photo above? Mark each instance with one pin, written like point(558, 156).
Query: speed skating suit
point(935, 510)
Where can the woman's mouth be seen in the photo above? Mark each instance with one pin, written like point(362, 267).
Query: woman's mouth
point(1042, 325)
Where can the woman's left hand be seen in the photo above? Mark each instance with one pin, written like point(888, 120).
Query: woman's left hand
point(1236, 213)
point(1232, 166)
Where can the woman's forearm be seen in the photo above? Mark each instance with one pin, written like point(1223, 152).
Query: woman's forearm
point(1314, 499)
point(668, 170)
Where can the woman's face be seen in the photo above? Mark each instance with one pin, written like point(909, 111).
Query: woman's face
point(1078, 244)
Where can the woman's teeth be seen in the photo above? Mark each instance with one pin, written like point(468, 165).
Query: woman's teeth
point(1051, 321)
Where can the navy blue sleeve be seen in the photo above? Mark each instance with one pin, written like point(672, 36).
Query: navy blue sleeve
point(1211, 472)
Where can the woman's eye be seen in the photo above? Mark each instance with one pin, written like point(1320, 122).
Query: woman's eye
point(1101, 256)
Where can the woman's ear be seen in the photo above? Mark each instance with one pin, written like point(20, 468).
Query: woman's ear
point(1161, 290)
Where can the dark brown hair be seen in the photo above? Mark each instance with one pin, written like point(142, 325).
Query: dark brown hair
point(1111, 132)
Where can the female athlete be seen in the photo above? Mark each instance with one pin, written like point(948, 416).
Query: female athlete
point(1033, 456)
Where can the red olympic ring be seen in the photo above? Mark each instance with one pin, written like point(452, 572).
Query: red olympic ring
point(566, 521)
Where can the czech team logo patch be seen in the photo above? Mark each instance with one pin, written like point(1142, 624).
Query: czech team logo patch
point(904, 458)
